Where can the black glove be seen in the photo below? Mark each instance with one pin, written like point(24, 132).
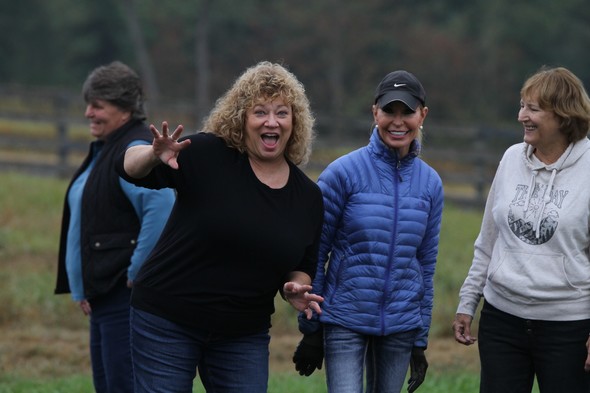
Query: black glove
point(418, 366)
point(309, 353)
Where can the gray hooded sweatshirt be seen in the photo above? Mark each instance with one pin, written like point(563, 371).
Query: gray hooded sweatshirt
point(531, 257)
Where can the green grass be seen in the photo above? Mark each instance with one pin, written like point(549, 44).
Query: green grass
point(458, 232)
point(75, 383)
point(30, 216)
point(31, 207)
point(279, 383)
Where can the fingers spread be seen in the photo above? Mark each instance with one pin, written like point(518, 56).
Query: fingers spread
point(177, 132)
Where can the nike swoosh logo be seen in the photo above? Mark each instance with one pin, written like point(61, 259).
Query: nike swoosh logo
point(398, 84)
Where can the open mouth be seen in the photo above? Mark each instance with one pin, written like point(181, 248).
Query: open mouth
point(529, 127)
point(270, 139)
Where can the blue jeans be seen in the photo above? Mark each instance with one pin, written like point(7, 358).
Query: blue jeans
point(513, 351)
point(166, 356)
point(110, 351)
point(347, 353)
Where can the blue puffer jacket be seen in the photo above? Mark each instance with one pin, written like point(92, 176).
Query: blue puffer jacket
point(381, 230)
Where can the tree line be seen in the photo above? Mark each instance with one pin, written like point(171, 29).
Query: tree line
point(471, 56)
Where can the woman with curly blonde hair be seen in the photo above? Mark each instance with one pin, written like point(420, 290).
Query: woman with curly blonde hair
point(246, 224)
point(269, 81)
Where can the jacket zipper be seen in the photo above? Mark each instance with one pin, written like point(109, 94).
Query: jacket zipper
point(387, 284)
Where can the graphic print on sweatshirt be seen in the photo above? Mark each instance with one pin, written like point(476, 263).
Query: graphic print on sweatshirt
point(534, 219)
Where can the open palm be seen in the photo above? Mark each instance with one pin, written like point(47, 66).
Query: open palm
point(166, 146)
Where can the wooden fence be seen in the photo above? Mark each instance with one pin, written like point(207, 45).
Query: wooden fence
point(45, 133)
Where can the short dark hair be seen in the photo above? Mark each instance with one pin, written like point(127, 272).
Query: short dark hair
point(118, 84)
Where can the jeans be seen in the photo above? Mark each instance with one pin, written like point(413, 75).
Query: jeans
point(514, 350)
point(386, 358)
point(166, 356)
point(110, 351)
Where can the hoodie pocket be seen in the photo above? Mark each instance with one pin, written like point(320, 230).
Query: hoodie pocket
point(534, 277)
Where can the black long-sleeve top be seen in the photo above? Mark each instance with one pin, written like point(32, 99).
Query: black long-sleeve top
point(230, 241)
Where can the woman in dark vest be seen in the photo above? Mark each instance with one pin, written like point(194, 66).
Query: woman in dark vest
point(109, 226)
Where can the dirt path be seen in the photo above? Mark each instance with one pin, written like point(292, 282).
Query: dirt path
point(37, 351)
point(443, 354)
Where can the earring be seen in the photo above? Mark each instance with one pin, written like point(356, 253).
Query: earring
point(421, 128)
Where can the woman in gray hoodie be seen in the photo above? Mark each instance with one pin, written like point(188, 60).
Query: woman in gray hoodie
point(532, 257)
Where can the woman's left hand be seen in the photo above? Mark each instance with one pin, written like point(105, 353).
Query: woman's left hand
point(299, 297)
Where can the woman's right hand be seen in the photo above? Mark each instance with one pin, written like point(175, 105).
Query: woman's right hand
point(462, 329)
point(85, 307)
point(165, 146)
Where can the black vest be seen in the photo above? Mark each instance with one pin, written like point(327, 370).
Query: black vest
point(109, 223)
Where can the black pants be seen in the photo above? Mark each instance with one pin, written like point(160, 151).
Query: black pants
point(513, 351)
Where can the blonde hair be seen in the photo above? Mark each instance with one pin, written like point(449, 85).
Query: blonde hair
point(266, 81)
point(560, 91)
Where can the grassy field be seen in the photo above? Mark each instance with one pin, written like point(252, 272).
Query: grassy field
point(43, 345)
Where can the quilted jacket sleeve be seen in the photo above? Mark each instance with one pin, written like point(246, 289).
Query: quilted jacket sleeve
point(427, 255)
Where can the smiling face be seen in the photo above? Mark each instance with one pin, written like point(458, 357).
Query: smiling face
point(541, 127)
point(398, 125)
point(104, 118)
point(269, 125)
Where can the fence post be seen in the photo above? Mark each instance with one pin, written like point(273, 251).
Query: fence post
point(479, 146)
point(63, 145)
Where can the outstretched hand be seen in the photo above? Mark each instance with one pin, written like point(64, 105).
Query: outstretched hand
point(166, 146)
point(299, 297)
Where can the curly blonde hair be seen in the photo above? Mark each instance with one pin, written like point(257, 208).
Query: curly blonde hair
point(266, 81)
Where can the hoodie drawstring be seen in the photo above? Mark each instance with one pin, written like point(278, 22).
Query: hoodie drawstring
point(545, 201)
point(530, 193)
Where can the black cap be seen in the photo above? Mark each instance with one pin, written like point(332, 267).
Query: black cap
point(400, 86)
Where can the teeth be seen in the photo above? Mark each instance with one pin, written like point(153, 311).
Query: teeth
point(398, 133)
point(270, 137)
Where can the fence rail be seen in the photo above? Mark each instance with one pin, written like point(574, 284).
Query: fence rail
point(44, 133)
